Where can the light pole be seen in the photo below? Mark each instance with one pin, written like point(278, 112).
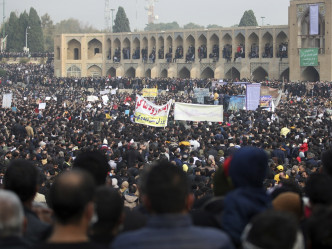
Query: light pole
point(112, 19)
point(26, 37)
point(263, 17)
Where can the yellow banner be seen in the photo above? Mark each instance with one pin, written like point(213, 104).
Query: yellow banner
point(158, 121)
point(150, 92)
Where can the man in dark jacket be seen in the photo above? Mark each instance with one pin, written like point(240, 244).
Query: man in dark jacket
point(166, 194)
point(132, 155)
point(247, 170)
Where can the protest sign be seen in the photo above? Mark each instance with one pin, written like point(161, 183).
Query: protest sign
point(253, 96)
point(200, 93)
point(7, 100)
point(193, 112)
point(150, 92)
point(150, 114)
point(42, 106)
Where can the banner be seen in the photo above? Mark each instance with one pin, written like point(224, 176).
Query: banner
point(42, 106)
point(150, 92)
point(148, 113)
point(314, 19)
point(200, 93)
point(92, 98)
point(308, 57)
point(7, 100)
point(253, 96)
point(266, 101)
point(192, 112)
point(237, 103)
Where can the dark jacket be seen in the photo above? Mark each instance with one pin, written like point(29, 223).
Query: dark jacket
point(14, 242)
point(247, 170)
point(172, 231)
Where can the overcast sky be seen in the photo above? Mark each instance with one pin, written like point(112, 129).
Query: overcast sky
point(221, 12)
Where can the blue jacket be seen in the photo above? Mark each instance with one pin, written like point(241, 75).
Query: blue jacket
point(173, 231)
point(247, 170)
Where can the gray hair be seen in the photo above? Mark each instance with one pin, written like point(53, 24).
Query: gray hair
point(11, 214)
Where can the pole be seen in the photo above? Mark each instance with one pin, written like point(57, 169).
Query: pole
point(26, 37)
point(112, 19)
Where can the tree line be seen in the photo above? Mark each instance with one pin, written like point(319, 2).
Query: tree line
point(42, 30)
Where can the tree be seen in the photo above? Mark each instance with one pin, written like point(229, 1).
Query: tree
point(248, 19)
point(73, 26)
point(193, 26)
point(48, 30)
point(213, 26)
point(162, 26)
point(121, 22)
point(13, 39)
point(23, 22)
point(35, 33)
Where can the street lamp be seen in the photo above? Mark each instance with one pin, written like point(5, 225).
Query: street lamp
point(26, 37)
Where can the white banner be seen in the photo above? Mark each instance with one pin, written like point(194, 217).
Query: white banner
point(42, 106)
point(92, 98)
point(7, 100)
point(150, 114)
point(191, 112)
point(314, 19)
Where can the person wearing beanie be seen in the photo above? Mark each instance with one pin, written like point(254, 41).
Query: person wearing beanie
point(248, 169)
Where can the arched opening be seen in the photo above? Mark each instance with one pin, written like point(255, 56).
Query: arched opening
point(94, 49)
point(284, 76)
point(57, 55)
point(111, 72)
point(253, 46)
point(227, 49)
point(202, 47)
point(144, 51)
point(310, 74)
point(268, 45)
point(233, 74)
point(240, 46)
point(94, 71)
point(74, 71)
point(131, 72)
point(148, 73)
point(259, 74)
point(179, 48)
point(282, 45)
point(109, 49)
point(136, 49)
point(308, 40)
point(169, 49)
point(214, 41)
point(126, 49)
point(161, 48)
point(152, 50)
point(190, 44)
point(117, 50)
point(164, 73)
point(207, 73)
point(74, 50)
point(184, 73)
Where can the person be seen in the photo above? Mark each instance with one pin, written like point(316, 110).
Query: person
point(71, 198)
point(248, 169)
point(273, 230)
point(109, 209)
point(167, 197)
point(11, 222)
point(95, 163)
point(22, 178)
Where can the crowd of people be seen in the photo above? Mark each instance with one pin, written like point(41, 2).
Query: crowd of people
point(26, 54)
point(83, 174)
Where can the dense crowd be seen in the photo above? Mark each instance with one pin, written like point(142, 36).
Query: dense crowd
point(257, 180)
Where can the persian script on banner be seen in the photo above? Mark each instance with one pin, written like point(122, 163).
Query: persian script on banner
point(150, 92)
point(148, 113)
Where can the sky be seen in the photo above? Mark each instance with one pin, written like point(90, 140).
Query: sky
point(221, 12)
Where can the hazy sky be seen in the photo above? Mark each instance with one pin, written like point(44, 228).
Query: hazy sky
point(221, 12)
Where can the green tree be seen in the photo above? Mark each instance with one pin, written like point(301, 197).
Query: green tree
point(248, 19)
point(13, 39)
point(213, 26)
point(35, 33)
point(162, 26)
point(121, 22)
point(23, 21)
point(48, 30)
point(193, 26)
point(73, 26)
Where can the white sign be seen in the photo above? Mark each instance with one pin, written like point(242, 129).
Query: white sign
point(113, 92)
point(7, 100)
point(48, 98)
point(42, 106)
point(105, 92)
point(92, 98)
point(192, 112)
